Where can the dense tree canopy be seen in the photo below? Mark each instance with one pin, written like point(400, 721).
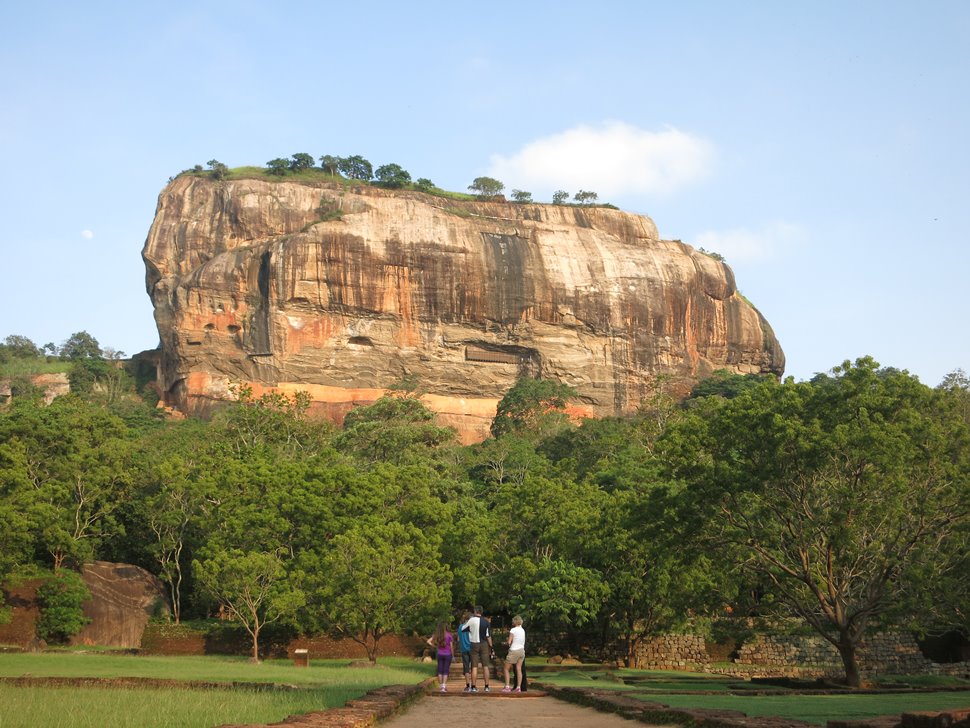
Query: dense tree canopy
point(393, 176)
point(843, 499)
point(486, 187)
point(840, 491)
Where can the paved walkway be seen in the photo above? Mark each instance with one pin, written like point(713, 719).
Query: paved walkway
point(500, 710)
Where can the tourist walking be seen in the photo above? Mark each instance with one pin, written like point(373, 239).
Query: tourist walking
point(465, 647)
point(480, 634)
point(516, 656)
point(442, 639)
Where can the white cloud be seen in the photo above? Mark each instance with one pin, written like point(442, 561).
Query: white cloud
point(87, 234)
point(743, 244)
point(612, 159)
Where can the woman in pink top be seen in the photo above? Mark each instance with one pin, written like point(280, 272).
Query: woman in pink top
point(442, 639)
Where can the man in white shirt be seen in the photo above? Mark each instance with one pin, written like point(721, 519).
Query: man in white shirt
point(480, 632)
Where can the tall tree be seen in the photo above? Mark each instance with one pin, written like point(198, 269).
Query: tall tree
point(381, 579)
point(393, 176)
point(75, 458)
point(301, 161)
point(329, 163)
point(278, 166)
point(252, 585)
point(536, 405)
point(356, 167)
point(81, 345)
point(486, 187)
point(840, 492)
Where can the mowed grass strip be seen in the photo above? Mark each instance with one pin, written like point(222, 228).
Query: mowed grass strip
point(325, 684)
point(718, 692)
point(389, 671)
point(817, 708)
point(49, 707)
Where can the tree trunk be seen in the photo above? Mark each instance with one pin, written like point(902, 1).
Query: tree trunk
point(850, 662)
point(255, 634)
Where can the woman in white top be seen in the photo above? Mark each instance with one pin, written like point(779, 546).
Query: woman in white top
point(516, 656)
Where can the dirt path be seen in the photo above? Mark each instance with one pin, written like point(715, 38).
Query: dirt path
point(496, 710)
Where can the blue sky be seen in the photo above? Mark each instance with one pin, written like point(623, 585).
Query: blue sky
point(822, 147)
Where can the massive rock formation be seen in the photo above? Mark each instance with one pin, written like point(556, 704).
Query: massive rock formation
point(344, 291)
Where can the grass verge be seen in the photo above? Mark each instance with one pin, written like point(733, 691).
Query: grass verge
point(325, 684)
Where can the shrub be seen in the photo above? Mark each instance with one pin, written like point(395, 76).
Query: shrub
point(60, 601)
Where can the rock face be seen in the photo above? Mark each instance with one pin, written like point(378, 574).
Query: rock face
point(345, 291)
point(123, 599)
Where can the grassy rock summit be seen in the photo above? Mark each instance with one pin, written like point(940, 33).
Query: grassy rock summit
point(345, 291)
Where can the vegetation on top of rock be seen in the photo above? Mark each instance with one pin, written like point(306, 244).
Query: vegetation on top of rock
point(356, 169)
point(486, 187)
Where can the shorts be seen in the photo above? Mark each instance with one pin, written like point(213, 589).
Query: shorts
point(515, 656)
point(481, 653)
point(466, 662)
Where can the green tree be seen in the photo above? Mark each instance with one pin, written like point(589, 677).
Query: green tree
point(273, 419)
point(839, 492)
point(486, 187)
point(395, 429)
point(381, 579)
point(356, 167)
point(393, 176)
point(21, 347)
point(76, 458)
point(253, 587)
point(330, 164)
point(81, 345)
point(585, 197)
point(729, 385)
point(536, 405)
point(173, 506)
point(60, 599)
point(559, 197)
point(521, 196)
point(278, 166)
point(301, 161)
point(424, 184)
point(219, 170)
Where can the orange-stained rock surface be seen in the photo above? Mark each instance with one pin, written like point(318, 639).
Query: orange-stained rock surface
point(345, 291)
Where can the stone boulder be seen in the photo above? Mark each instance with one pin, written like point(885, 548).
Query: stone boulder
point(123, 599)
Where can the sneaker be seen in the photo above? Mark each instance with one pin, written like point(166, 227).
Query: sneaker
point(507, 689)
point(517, 690)
point(473, 689)
point(488, 689)
point(468, 689)
point(444, 689)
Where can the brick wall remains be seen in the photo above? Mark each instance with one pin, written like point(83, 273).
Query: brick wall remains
point(673, 652)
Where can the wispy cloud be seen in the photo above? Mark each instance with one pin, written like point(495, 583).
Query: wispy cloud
point(744, 244)
point(87, 234)
point(611, 159)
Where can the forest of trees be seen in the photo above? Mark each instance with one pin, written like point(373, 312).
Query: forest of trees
point(843, 500)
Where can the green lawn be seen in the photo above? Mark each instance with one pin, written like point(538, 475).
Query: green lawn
point(817, 708)
point(324, 684)
point(696, 690)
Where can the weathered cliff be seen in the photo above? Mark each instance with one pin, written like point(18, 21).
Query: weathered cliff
point(345, 291)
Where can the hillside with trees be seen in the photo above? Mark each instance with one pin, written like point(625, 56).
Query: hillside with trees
point(844, 500)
